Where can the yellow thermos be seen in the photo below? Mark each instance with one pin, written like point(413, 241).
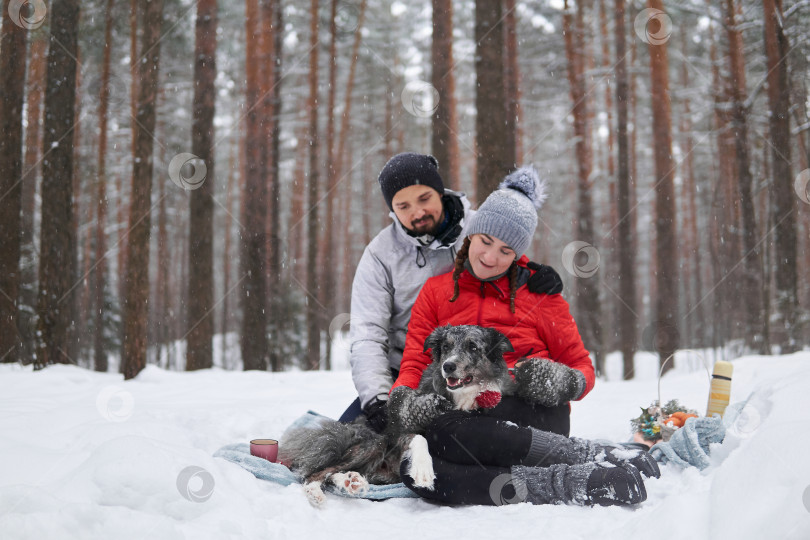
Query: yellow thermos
point(720, 390)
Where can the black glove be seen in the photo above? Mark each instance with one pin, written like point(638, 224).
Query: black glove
point(411, 412)
point(377, 414)
point(545, 279)
point(547, 383)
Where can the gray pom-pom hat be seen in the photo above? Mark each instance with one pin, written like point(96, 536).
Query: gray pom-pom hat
point(510, 212)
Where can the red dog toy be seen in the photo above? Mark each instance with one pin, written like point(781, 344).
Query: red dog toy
point(488, 399)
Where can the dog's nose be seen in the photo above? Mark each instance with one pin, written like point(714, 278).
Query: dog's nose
point(449, 367)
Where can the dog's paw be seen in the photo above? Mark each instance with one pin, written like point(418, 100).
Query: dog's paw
point(315, 494)
point(421, 469)
point(351, 483)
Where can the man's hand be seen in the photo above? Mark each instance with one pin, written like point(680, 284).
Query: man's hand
point(545, 279)
point(377, 414)
point(547, 383)
point(411, 412)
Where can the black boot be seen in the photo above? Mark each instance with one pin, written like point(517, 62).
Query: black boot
point(616, 486)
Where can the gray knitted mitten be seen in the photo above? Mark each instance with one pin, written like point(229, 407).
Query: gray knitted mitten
point(548, 383)
point(549, 448)
point(556, 484)
point(583, 484)
point(410, 412)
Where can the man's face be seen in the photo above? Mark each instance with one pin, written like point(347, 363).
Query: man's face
point(419, 209)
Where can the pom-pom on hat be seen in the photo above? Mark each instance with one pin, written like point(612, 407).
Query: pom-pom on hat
point(409, 169)
point(510, 212)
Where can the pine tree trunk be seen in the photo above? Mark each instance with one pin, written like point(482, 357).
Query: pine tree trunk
point(200, 336)
point(313, 351)
point(752, 265)
point(135, 312)
point(721, 238)
point(785, 331)
point(56, 240)
point(253, 240)
point(35, 91)
point(512, 82)
point(444, 142)
point(606, 65)
point(330, 278)
point(628, 318)
point(135, 12)
point(295, 229)
point(587, 303)
point(666, 334)
point(274, 265)
point(265, 55)
point(12, 65)
point(100, 268)
point(77, 294)
point(332, 172)
point(694, 283)
point(493, 158)
point(162, 308)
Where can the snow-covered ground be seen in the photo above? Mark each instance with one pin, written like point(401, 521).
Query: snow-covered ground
point(87, 455)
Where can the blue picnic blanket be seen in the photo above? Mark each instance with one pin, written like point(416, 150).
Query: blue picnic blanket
point(239, 453)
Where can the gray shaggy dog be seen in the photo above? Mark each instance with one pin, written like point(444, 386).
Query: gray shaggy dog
point(467, 363)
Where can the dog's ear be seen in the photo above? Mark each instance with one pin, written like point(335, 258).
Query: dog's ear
point(499, 342)
point(436, 337)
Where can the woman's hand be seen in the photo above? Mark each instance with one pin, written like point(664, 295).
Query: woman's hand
point(410, 412)
point(547, 383)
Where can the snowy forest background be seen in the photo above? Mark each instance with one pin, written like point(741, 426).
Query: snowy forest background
point(173, 173)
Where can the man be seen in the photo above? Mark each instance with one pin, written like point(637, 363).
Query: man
point(422, 242)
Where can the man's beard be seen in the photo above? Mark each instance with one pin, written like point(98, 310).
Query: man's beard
point(427, 225)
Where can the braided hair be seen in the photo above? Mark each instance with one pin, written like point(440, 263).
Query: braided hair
point(461, 258)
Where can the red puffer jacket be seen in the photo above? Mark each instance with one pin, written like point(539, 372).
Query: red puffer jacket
point(541, 327)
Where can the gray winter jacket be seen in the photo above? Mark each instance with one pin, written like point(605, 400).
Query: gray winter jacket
point(391, 272)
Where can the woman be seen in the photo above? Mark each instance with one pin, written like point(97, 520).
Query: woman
point(518, 450)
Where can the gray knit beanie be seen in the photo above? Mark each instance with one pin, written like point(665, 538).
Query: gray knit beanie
point(409, 169)
point(510, 212)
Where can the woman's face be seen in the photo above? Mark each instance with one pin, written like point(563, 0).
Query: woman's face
point(489, 256)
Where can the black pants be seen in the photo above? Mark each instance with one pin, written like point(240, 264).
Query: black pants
point(473, 451)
